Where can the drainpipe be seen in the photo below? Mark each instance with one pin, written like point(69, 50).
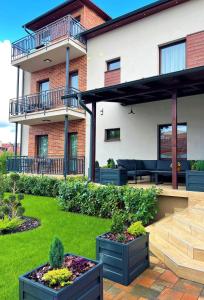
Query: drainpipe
point(22, 107)
point(91, 160)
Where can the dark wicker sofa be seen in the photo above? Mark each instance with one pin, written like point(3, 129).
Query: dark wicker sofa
point(156, 169)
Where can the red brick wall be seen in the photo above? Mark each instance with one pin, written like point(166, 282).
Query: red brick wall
point(90, 18)
point(112, 77)
point(57, 74)
point(195, 49)
point(55, 132)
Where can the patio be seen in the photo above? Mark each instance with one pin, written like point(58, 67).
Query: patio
point(157, 282)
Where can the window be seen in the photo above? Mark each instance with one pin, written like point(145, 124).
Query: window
point(42, 145)
point(74, 80)
point(113, 64)
point(173, 58)
point(112, 134)
point(165, 138)
point(78, 18)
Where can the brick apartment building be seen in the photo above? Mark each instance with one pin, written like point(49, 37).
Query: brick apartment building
point(50, 60)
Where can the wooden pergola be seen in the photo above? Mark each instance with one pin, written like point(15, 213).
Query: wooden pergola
point(169, 86)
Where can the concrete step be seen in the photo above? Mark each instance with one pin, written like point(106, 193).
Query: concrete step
point(180, 238)
point(180, 263)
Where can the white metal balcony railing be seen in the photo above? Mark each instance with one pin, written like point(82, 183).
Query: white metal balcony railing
point(43, 101)
point(65, 27)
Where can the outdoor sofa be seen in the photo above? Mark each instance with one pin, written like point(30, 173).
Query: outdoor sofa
point(156, 169)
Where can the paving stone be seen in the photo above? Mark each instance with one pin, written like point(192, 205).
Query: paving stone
point(159, 270)
point(188, 287)
point(169, 277)
point(157, 286)
point(189, 297)
point(141, 291)
point(151, 274)
point(107, 284)
point(144, 281)
point(114, 291)
point(170, 294)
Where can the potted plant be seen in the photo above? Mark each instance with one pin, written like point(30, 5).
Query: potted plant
point(110, 174)
point(195, 177)
point(64, 277)
point(124, 250)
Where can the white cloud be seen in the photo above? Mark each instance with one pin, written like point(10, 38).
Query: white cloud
point(7, 91)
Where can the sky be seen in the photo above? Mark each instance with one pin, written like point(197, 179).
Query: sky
point(15, 13)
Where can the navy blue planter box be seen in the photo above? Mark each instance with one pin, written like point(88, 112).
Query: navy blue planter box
point(122, 263)
point(111, 176)
point(87, 286)
point(195, 181)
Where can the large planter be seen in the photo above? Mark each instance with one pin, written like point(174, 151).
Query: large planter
point(195, 181)
point(122, 263)
point(87, 286)
point(111, 176)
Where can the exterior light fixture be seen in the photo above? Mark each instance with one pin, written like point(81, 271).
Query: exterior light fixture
point(131, 112)
point(101, 112)
point(47, 60)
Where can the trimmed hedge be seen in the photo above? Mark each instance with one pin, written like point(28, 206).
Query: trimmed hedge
point(103, 201)
point(38, 185)
point(77, 195)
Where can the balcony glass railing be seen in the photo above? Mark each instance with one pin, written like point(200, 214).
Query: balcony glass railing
point(66, 27)
point(43, 101)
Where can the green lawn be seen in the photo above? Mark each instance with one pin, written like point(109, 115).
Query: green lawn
point(21, 252)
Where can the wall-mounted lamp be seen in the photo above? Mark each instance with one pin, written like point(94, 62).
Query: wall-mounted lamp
point(101, 112)
point(131, 112)
point(47, 60)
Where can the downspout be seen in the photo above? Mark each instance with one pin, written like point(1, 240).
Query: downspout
point(90, 175)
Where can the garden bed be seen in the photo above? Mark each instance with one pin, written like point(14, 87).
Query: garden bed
point(28, 224)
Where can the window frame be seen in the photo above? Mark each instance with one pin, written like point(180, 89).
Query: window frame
point(159, 139)
point(70, 77)
point(40, 82)
point(108, 62)
point(111, 140)
point(171, 44)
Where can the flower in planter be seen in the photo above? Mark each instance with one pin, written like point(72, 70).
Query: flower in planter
point(58, 277)
point(136, 229)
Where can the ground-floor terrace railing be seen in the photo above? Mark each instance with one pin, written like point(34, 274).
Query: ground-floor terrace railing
point(46, 165)
point(43, 101)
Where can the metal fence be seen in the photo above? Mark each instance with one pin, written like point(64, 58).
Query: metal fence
point(43, 101)
point(65, 27)
point(45, 165)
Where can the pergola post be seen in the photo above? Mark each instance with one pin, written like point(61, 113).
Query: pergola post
point(66, 124)
point(93, 139)
point(174, 141)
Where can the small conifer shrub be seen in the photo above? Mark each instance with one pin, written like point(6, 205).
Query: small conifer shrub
point(56, 254)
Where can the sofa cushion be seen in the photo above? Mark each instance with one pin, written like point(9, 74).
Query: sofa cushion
point(164, 165)
point(138, 173)
point(150, 165)
point(129, 164)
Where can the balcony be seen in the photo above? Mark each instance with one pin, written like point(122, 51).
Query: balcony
point(45, 165)
point(47, 106)
point(49, 44)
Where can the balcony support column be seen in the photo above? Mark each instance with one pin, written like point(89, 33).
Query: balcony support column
point(66, 152)
point(22, 94)
point(174, 141)
point(67, 71)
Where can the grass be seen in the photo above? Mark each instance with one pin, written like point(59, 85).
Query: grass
point(22, 252)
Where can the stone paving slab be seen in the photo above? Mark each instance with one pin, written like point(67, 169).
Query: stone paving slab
point(156, 283)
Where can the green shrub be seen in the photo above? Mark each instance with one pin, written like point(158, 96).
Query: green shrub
point(136, 229)
point(198, 165)
point(56, 254)
point(104, 201)
point(7, 225)
point(10, 206)
point(58, 277)
point(118, 222)
point(111, 163)
point(3, 158)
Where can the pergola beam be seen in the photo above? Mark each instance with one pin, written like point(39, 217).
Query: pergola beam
point(174, 141)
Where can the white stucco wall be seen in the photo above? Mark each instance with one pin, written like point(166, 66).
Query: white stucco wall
point(139, 131)
point(25, 128)
point(137, 45)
